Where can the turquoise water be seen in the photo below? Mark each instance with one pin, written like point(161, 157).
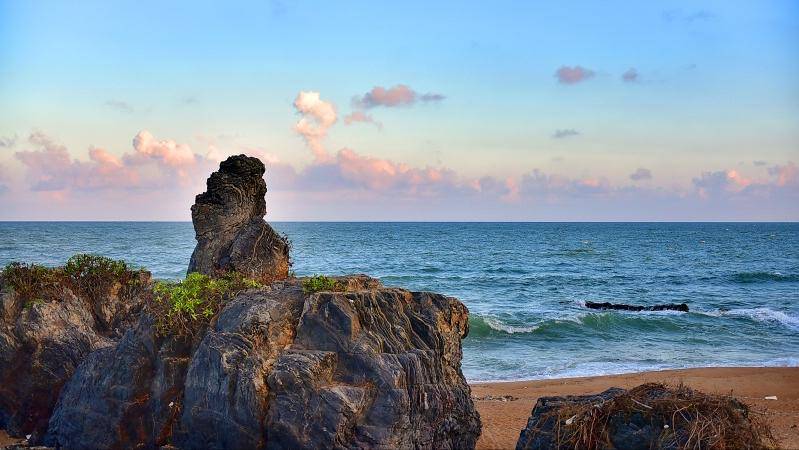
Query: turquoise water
point(525, 284)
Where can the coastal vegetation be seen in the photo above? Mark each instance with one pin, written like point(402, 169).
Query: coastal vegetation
point(183, 307)
point(319, 283)
point(86, 275)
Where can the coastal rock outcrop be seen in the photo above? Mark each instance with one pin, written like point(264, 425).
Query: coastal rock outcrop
point(362, 367)
point(229, 226)
point(44, 339)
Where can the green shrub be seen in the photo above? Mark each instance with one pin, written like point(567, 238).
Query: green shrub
point(89, 276)
point(93, 276)
point(32, 283)
point(183, 307)
point(318, 283)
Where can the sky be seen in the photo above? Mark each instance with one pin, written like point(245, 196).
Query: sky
point(419, 111)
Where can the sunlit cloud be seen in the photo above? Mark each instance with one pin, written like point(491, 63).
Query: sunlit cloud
point(399, 95)
point(573, 75)
point(362, 117)
point(317, 117)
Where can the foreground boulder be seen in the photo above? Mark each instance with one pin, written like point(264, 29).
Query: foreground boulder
point(360, 367)
point(44, 338)
point(229, 226)
point(648, 416)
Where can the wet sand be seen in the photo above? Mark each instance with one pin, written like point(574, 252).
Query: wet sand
point(503, 420)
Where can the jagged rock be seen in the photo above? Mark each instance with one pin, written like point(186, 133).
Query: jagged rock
point(370, 367)
point(682, 307)
point(229, 227)
point(41, 345)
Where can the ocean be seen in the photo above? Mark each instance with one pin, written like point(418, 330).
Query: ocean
point(526, 284)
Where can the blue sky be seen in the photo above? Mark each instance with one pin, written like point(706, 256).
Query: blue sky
point(709, 108)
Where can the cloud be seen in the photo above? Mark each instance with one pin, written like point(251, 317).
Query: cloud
point(630, 76)
point(677, 15)
point(564, 133)
point(3, 185)
point(8, 141)
point(360, 116)
point(786, 174)
point(317, 117)
point(573, 75)
point(641, 174)
point(120, 106)
point(714, 184)
point(188, 100)
point(153, 164)
point(399, 95)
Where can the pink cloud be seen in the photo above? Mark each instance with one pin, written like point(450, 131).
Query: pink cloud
point(399, 95)
point(786, 175)
point(151, 165)
point(573, 75)
point(362, 117)
point(317, 117)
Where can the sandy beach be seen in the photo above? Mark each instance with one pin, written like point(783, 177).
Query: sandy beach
point(502, 420)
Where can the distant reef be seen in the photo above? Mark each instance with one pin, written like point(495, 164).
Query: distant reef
point(239, 355)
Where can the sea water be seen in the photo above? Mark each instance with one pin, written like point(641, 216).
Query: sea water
point(526, 284)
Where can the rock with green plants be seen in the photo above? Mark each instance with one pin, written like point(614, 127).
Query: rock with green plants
point(238, 354)
point(51, 318)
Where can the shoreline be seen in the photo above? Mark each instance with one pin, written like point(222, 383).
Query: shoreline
point(505, 406)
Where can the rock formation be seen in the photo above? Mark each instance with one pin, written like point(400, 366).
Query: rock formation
point(370, 367)
point(651, 415)
point(42, 343)
point(277, 367)
point(229, 226)
point(681, 307)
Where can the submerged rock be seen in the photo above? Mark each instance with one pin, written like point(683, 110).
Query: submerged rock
point(229, 226)
point(369, 367)
point(682, 307)
point(42, 342)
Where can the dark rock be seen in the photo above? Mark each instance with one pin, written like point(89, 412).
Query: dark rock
point(229, 227)
point(540, 432)
point(41, 345)
point(652, 415)
point(682, 307)
point(371, 367)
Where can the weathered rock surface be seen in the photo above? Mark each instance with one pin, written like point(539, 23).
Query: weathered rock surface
point(42, 344)
point(371, 367)
point(229, 226)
